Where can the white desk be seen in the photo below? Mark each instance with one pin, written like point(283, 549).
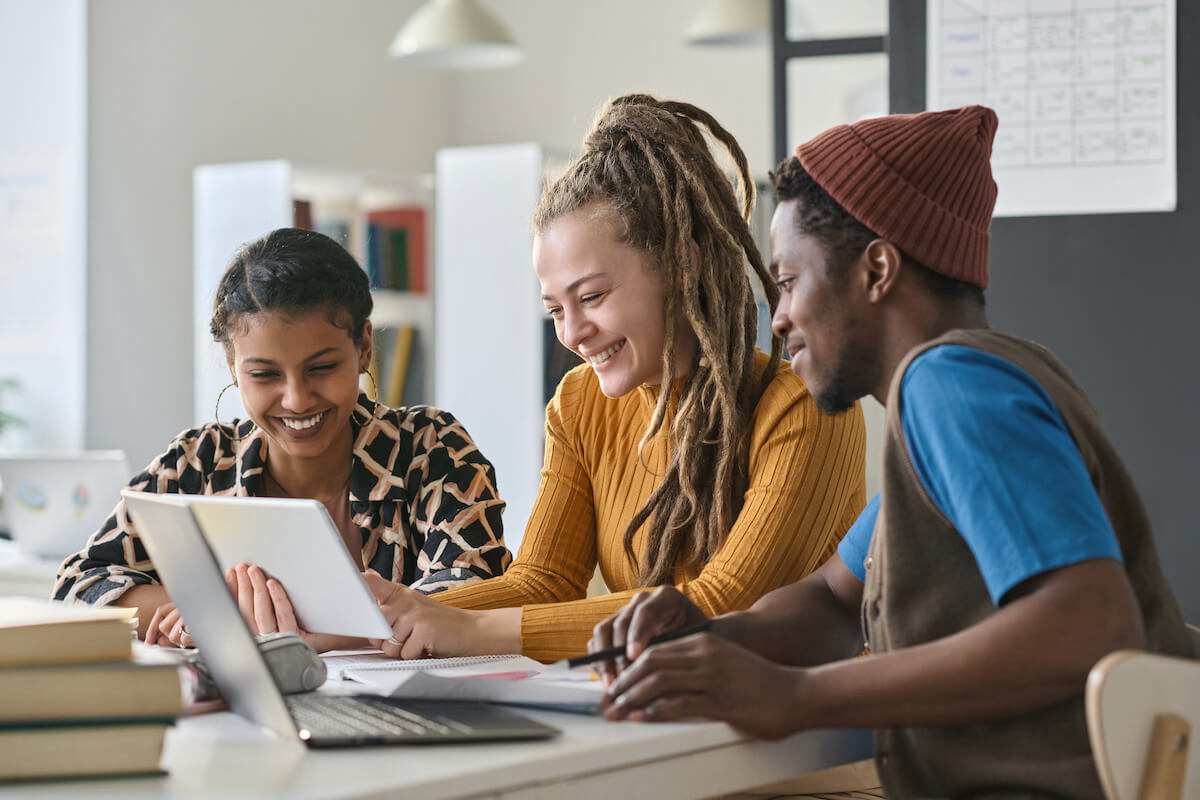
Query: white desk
point(223, 756)
point(23, 574)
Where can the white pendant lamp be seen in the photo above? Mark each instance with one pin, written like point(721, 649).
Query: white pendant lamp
point(455, 34)
point(730, 22)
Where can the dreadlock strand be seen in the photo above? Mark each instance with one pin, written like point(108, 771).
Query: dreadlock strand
point(649, 163)
point(745, 185)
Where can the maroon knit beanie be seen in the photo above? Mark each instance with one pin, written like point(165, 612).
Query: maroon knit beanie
point(923, 181)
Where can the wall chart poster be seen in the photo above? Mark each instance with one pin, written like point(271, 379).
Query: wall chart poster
point(1085, 93)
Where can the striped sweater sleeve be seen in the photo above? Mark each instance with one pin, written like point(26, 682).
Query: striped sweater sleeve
point(558, 549)
point(807, 486)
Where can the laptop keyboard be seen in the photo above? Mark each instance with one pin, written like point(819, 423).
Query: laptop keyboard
point(341, 715)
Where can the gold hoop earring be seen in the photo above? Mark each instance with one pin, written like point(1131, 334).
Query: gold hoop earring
point(217, 408)
point(374, 386)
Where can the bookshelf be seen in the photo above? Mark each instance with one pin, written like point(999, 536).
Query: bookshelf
point(500, 360)
point(384, 221)
point(480, 316)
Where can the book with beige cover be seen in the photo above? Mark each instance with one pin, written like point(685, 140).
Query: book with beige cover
point(45, 632)
point(74, 701)
point(81, 750)
point(148, 687)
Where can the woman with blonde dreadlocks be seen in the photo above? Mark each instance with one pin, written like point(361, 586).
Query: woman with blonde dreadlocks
point(678, 454)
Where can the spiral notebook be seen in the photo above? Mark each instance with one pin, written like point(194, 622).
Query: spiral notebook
point(339, 662)
point(513, 680)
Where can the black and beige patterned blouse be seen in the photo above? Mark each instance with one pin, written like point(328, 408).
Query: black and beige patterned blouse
point(422, 495)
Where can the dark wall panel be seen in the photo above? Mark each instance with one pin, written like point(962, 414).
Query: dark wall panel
point(1114, 297)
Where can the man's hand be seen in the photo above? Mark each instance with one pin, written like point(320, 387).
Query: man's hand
point(707, 676)
point(647, 614)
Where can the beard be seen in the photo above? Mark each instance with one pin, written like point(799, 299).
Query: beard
point(835, 398)
point(853, 376)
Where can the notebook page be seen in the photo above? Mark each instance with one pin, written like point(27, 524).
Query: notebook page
point(499, 684)
point(339, 662)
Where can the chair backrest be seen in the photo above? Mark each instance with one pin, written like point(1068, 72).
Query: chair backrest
point(1194, 634)
point(1141, 709)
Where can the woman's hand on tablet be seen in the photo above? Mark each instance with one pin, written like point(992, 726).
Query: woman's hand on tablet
point(265, 606)
point(422, 627)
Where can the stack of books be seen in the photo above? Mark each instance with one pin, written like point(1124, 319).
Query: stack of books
point(76, 698)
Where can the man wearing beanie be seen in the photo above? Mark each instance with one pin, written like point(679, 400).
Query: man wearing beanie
point(1008, 550)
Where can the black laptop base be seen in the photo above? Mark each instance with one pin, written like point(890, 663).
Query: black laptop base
point(332, 720)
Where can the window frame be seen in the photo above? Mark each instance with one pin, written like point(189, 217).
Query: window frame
point(784, 50)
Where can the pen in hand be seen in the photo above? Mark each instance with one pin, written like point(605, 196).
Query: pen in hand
point(617, 652)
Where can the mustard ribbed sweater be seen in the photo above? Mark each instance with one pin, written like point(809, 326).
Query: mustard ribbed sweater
point(806, 488)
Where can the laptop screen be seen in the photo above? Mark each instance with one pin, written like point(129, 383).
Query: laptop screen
point(189, 569)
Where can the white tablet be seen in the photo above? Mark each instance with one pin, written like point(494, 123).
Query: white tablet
point(297, 543)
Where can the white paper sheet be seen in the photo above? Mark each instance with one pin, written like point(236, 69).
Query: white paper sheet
point(1085, 93)
point(516, 680)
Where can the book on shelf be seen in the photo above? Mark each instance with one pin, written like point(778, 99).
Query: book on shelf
point(78, 751)
point(373, 259)
point(150, 686)
point(46, 632)
point(402, 345)
point(396, 252)
point(302, 216)
point(399, 365)
point(388, 258)
point(396, 255)
point(334, 217)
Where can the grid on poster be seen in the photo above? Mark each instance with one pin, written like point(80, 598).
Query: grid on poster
point(1074, 82)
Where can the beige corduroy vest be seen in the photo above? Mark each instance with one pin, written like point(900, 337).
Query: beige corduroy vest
point(923, 584)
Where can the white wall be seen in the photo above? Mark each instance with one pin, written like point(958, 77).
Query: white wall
point(175, 85)
point(487, 300)
point(582, 52)
point(172, 86)
point(43, 144)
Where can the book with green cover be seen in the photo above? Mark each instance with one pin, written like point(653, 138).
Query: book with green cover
point(77, 751)
point(398, 256)
point(410, 220)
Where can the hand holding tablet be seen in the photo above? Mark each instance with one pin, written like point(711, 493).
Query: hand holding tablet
point(295, 542)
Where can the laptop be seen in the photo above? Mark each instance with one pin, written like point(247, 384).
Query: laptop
point(192, 575)
point(55, 501)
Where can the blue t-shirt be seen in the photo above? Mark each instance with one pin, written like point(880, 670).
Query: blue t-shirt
point(996, 457)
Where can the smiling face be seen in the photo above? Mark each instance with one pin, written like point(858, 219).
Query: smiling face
point(816, 316)
point(298, 377)
point(606, 299)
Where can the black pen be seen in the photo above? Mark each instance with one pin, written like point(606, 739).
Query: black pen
point(617, 652)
